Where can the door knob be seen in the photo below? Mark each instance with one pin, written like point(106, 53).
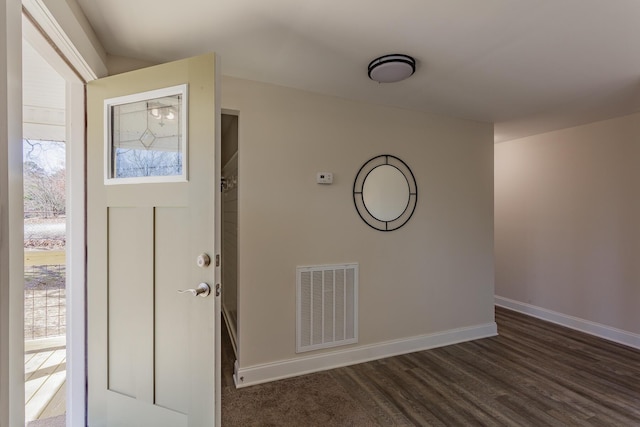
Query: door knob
point(202, 290)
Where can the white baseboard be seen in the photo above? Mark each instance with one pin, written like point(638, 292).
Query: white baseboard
point(599, 330)
point(258, 374)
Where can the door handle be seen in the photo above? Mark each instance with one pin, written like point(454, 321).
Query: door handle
point(202, 290)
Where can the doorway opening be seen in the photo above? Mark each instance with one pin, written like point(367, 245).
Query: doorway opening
point(54, 225)
point(229, 243)
point(44, 177)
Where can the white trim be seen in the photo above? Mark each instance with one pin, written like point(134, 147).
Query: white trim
point(230, 112)
point(11, 230)
point(217, 376)
point(35, 38)
point(258, 374)
point(183, 91)
point(592, 328)
point(61, 26)
point(76, 260)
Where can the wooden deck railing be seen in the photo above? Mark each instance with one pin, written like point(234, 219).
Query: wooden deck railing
point(44, 294)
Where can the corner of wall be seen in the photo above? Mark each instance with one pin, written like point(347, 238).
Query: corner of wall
point(258, 374)
point(120, 64)
point(592, 328)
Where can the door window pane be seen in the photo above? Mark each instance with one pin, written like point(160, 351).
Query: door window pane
point(146, 137)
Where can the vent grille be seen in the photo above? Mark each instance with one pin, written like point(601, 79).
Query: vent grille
point(327, 306)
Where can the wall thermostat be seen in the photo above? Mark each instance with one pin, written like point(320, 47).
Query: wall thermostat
point(324, 178)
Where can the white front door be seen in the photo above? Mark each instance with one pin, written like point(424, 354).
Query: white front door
point(152, 352)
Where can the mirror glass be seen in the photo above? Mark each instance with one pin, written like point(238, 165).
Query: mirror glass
point(385, 193)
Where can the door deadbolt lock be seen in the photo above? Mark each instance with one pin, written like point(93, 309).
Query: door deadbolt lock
point(203, 260)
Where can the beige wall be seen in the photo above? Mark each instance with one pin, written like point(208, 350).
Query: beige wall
point(120, 64)
point(567, 215)
point(434, 274)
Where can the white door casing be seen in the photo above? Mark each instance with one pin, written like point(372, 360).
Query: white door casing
point(11, 231)
point(153, 354)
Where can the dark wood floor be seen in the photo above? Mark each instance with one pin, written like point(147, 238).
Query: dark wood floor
point(533, 374)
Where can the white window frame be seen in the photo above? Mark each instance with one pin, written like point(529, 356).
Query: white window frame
point(181, 90)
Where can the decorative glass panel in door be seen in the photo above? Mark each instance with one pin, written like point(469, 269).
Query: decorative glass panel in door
point(146, 136)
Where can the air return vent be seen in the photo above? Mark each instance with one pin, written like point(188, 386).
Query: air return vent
point(327, 306)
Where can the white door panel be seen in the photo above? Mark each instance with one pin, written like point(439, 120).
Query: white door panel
point(152, 352)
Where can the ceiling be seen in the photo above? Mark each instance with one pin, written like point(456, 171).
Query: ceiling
point(527, 66)
point(43, 98)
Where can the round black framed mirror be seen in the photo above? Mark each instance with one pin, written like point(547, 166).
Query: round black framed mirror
point(385, 193)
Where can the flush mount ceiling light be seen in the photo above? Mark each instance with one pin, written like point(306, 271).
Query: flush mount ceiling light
point(391, 68)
